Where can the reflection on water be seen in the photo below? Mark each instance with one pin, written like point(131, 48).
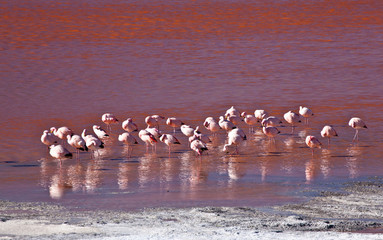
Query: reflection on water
point(185, 176)
point(65, 64)
point(353, 160)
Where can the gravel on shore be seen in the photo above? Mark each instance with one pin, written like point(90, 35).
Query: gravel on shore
point(333, 215)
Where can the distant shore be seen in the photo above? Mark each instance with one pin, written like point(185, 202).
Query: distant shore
point(358, 210)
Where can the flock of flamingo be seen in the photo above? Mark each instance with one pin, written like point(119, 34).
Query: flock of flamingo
point(197, 140)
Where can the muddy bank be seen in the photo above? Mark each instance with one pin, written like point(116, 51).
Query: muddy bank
point(357, 208)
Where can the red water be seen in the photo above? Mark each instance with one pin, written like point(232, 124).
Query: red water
point(68, 62)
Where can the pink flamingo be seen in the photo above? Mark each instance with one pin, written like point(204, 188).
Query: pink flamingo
point(312, 142)
point(328, 132)
point(356, 123)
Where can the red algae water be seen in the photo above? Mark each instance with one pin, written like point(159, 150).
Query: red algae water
point(65, 63)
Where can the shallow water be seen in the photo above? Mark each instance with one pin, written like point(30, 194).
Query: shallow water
point(68, 63)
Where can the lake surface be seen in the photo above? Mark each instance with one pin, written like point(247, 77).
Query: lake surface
point(65, 63)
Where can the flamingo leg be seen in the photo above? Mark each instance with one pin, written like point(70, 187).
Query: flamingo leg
point(328, 141)
point(356, 136)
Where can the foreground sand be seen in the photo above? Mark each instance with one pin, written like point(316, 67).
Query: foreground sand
point(330, 216)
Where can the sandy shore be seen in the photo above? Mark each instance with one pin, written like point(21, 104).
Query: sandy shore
point(331, 216)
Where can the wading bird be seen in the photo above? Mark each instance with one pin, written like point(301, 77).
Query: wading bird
point(356, 123)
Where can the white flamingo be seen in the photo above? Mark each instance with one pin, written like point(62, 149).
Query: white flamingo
point(160, 120)
point(312, 142)
point(169, 140)
point(174, 123)
point(232, 112)
point(236, 119)
point(78, 143)
point(48, 138)
point(197, 135)
point(198, 146)
point(187, 130)
point(109, 119)
point(129, 140)
point(147, 138)
point(292, 118)
point(59, 152)
point(211, 125)
point(306, 113)
point(100, 133)
point(271, 121)
point(270, 132)
point(328, 132)
point(129, 126)
point(250, 120)
point(260, 114)
point(225, 124)
point(61, 132)
point(92, 142)
point(356, 123)
point(235, 138)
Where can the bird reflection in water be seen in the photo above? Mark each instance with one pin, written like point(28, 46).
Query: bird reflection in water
point(235, 168)
point(325, 166)
point(127, 171)
point(93, 175)
point(168, 169)
point(76, 177)
point(146, 168)
point(264, 169)
point(53, 177)
point(310, 170)
point(354, 154)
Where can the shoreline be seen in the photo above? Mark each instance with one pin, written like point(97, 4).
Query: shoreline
point(358, 210)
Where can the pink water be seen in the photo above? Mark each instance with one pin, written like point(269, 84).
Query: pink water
point(68, 62)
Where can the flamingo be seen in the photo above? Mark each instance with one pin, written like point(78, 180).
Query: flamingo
point(147, 138)
point(129, 126)
point(174, 123)
point(328, 132)
point(198, 146)
point(169, 140)
point(129, 140)
point(225, 124)
point(211, 125)
point(356, 123)
point(108, 119)
point(291, 118)
point(260, 114)
point(92, 142)
point(159, 119)
point(249, 120)
point(100, 133)
point(312, 142)
point(235, 138)
point(59, 152)
point(271, 121)
point(78, 143)
point(156, 134)
point(232, 112)
point(198, 135)
point(271, 132)
point(61, 132)
point(306, 113)
point(187, 130)
point(151, 122)
point(48, 138)
point(235, 119)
